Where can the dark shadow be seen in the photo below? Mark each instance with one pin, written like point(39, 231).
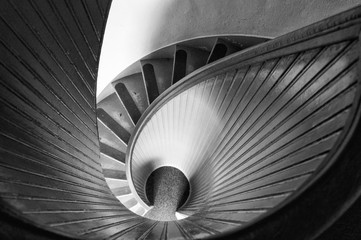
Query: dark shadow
point(150, 82)
point(180, 65)
point(219, 51)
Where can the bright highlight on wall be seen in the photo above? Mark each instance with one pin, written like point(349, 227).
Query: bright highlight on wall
point(130, 26)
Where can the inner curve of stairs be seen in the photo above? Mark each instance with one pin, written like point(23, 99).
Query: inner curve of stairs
point(121, 105)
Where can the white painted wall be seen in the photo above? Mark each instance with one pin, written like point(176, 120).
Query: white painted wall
point(138, 27)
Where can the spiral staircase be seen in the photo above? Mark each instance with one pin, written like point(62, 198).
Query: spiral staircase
point(123, 102)
point(231, 137)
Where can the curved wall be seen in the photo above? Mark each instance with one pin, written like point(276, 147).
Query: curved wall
point(50, 174)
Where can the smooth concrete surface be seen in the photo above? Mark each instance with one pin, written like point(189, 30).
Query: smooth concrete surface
point(137, 28)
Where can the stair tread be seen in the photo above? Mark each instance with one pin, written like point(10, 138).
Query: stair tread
point(116, 183)
point(121, 191)
point(163, 68)
point(135, 86)
point(130, 202)
point(114, 108)
point(138, 209)
point(108, 162)
point(115, 173)
point(186, 60)
point(112, 152)
point(110, 123)
point(107, 137)
point(221, 49)
point(150, 81)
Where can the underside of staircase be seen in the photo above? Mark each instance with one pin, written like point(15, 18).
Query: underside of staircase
point(235, 137)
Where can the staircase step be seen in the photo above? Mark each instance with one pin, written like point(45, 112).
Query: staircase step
point(111, 163)
point(112, 152)
point(131, 203)
point(114, 173)
point(125, 198)
point(162, 69)
point(107, 137)
point(128, 200)
point(150, 82)
point(133, 88)
point(186, 60)
point(221, 49)
point(116, 183)
point(121, 191)
point(138, 209)
point(128, 102)
point(115, 108)
point(110, 123)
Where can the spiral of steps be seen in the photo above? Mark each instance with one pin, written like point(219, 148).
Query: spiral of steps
point(122, 104)
point(233, 137)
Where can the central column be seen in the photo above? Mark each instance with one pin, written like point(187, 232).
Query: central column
point(167, 189)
